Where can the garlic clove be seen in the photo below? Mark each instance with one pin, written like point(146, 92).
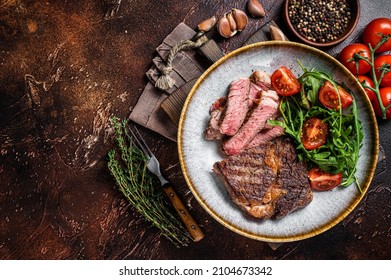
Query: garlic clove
point(232, 22)
point(240, 18)
point(255, 8)
point(277, 34)
point(207, 24)
point(224, 27)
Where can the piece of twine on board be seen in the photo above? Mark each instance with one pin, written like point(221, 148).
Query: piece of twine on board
point(165, 82)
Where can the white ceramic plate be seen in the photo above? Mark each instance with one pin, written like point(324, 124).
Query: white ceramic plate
point(197, 156)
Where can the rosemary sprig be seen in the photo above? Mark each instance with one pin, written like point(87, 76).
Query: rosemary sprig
point(141, 188)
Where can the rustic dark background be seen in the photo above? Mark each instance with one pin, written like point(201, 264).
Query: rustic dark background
point(66, 68)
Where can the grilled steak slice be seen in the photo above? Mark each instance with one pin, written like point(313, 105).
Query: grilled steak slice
point(261, 79)
point(264, 111)
point(267, 181)
point(265, 136)
point(236, 107)
point(212, 132)
point(254, 94)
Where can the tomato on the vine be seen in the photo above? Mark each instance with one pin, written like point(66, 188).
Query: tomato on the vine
point(371, 33)
point(328, 96)
point(347, 58)
point(323, 181)
point(314, 133)
point(367, 81)
point(385, 94)
point(284, 82)
point(383, 60)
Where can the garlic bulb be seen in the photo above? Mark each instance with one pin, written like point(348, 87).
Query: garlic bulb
point(232, 22)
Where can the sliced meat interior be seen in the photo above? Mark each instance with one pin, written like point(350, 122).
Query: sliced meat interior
point(261, 79)
point(242, 116)
point(236, 107)
point(263, 111)
point(212, 132)
point(265, 136)
point(266, 181)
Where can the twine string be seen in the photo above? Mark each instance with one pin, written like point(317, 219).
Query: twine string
point(165, 81)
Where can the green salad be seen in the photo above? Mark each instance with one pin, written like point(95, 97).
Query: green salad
point(322, 118)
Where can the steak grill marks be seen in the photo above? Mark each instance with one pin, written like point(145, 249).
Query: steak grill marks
point(267, 181)
point(261, 174)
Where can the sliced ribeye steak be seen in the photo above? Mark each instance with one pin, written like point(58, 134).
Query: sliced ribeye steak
point(267, 181)
point(265, 110)
point(212, 132)
point(237, 106)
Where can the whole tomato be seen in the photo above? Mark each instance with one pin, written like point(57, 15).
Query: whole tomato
point(383, 60)
point(367, 81)
point(371, 33)
point(347, 58)
point(385, 94)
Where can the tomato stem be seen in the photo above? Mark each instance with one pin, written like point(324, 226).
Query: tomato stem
point(376, 81)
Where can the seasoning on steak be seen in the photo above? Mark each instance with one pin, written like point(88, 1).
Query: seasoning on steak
point(266, 109)
point(212, 132)
point(237, 106)
point(267, 181)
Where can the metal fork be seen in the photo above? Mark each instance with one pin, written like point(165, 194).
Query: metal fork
point(153, 166)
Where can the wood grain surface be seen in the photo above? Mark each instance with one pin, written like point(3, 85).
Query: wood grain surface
point(66, 68)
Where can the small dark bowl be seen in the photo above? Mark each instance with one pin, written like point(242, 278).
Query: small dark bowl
point(355, 14)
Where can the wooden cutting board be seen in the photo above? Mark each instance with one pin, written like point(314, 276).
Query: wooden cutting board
point(173, 104)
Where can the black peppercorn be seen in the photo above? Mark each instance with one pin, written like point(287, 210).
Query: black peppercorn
point(306, 16)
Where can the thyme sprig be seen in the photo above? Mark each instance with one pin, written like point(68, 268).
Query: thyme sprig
point(141, 188)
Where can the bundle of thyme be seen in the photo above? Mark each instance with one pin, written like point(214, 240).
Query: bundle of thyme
point(140, 186)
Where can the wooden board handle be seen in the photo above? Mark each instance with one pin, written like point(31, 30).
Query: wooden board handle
point(192, 227)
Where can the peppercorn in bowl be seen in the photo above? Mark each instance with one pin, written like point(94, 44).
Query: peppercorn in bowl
point(321, 23)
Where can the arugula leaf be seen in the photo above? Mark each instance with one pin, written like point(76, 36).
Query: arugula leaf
point(340, 153)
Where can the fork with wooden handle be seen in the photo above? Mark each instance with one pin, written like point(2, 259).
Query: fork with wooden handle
point(153, 166)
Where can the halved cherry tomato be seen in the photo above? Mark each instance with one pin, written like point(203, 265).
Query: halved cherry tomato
point(383, 60)
point(284, 82)
point(367, 81)
point(347, 58)
point(314, 133)
point(323, 181)
point(328, 96)
point(371, 33)
point(385, 94)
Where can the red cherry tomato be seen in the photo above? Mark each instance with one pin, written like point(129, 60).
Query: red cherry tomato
point(314, 133)
point(385, 94)
point(284, 82)
point(328, 96)
point(367, 81)
point(371, 33)
point(347, 58)
point(379, 61)
point(323, 181)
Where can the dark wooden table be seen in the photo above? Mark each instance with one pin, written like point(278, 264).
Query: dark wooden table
point(66, 68)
